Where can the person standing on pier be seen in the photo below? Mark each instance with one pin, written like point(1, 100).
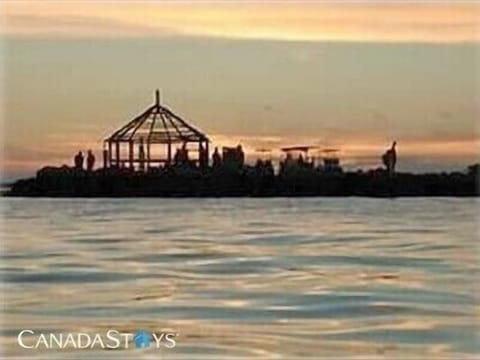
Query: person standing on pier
point(78, 160)
point(389, 159)
point(216, 159)
point(90, 160)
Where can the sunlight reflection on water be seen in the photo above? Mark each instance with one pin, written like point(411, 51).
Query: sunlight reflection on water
point(246, 277)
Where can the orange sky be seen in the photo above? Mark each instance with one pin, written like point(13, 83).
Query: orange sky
point(267, 74)
point(397, 21)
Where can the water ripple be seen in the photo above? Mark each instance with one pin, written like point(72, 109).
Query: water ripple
point(257, 278)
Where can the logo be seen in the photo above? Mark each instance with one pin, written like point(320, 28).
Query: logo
point(111, 339)
point(142, 339)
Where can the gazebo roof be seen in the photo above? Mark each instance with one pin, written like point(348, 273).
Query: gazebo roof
point(157, 125)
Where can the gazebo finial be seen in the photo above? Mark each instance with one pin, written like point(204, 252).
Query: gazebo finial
point(157, 97)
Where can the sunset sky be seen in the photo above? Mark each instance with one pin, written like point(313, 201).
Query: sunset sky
point(267, 74)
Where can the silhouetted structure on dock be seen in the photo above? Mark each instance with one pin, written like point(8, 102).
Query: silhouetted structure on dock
point(149, 139)
point(331, 161)
point(139, 161)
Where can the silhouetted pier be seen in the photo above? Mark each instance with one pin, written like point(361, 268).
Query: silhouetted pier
point(158, 153)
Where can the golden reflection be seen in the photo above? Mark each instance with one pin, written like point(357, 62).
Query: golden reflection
point(337, 288)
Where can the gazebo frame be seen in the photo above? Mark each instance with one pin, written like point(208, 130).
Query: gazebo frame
point(156, 126)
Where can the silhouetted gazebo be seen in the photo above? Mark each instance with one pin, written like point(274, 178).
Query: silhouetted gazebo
point(147, 140)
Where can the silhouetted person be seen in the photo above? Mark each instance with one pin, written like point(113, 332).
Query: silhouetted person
point(105, 158)
point(241, 155)
point(184, 153)
point(393, 153)
point(269, 168)
point(78, 160)
point(287, 163)
point(301, 162)
point(181, 155)
point(176, 157)
point(216, 158)
point(203, 157)
point(390, 159)
point(288, 159)
point(90, 160)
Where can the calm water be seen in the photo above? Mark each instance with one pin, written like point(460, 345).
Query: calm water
point(262, 278)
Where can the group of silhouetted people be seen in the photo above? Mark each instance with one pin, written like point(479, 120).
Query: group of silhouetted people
point(182, 157)
point(78, 160)
point(231, 157)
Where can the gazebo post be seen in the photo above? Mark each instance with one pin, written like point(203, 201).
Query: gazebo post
point(200, 154)
point(169, 153)
point(130, 153)
point(148, 154)
point(207, 154)
point(117, 154)
point(109, 153)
